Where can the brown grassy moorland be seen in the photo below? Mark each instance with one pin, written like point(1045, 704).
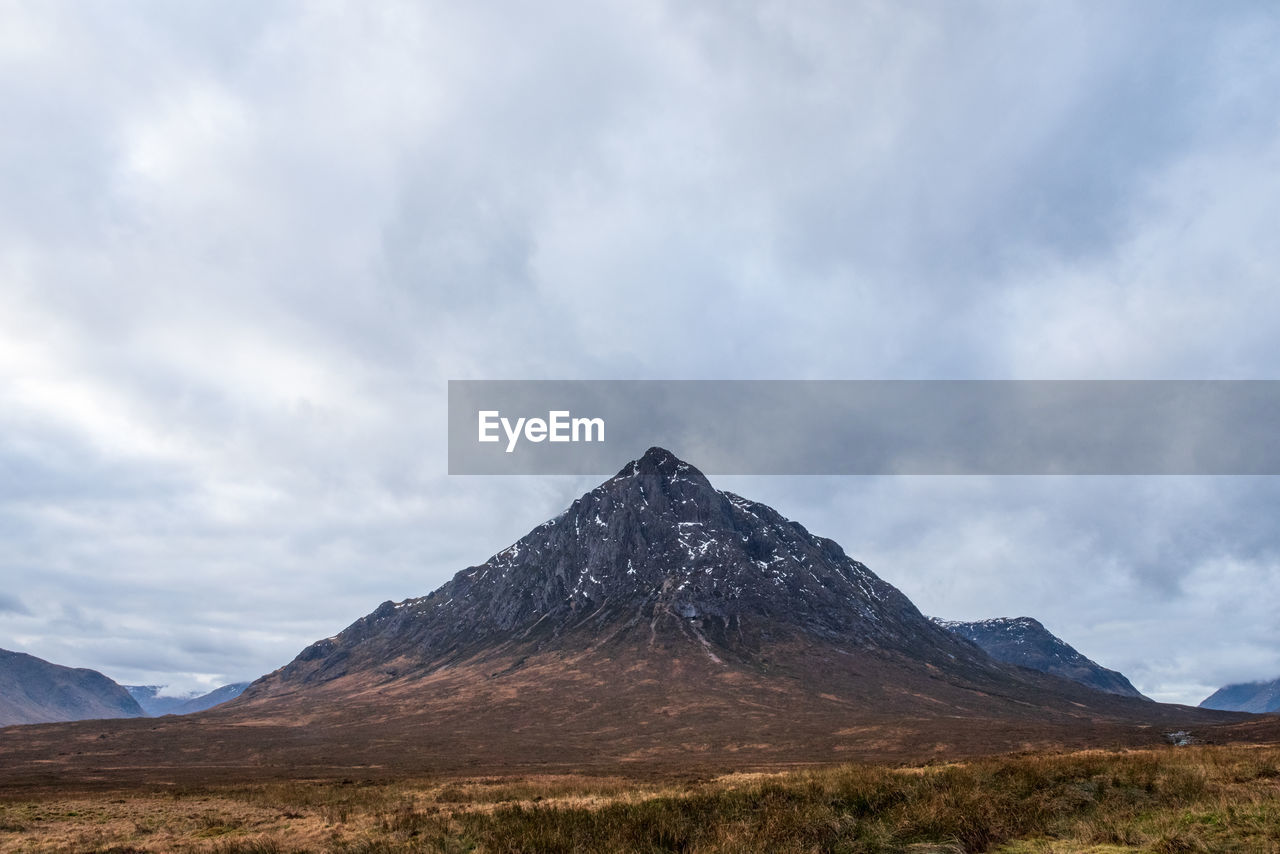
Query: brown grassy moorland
point(1210, 799)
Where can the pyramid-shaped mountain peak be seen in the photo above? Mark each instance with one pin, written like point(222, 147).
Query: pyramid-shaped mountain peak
point(658, 552)
point(659, 472)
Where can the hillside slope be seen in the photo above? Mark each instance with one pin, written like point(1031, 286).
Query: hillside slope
point(33, 690)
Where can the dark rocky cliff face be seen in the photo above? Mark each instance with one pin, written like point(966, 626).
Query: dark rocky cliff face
point(655, 553)
point(1025, 642)
point(33, 690)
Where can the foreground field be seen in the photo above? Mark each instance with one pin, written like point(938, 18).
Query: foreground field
point(1214, 799)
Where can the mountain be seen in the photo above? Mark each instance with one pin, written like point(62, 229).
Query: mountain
point(658, 615)
point(33, 690)
point(656, 624)
point(154, 704)
point(1256, 697)
point(1025, 642)
point(216, 697)
point(653, 559)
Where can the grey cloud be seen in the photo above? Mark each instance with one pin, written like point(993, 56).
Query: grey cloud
point(240, 259)
point(872, 427)
point(10, 604)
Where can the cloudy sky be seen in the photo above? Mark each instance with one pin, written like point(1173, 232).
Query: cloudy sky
point(244, 245)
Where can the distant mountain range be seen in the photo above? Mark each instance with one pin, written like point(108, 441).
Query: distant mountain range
point(33, 690)
point(1025, 642)
point(154, 703)
point(1256, 697)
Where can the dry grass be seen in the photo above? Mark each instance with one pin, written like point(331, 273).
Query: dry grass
point(1198, 799)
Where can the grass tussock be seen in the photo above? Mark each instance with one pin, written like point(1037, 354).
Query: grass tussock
point(1167, 801)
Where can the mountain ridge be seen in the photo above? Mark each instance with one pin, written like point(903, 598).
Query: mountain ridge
point(1025, 641)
